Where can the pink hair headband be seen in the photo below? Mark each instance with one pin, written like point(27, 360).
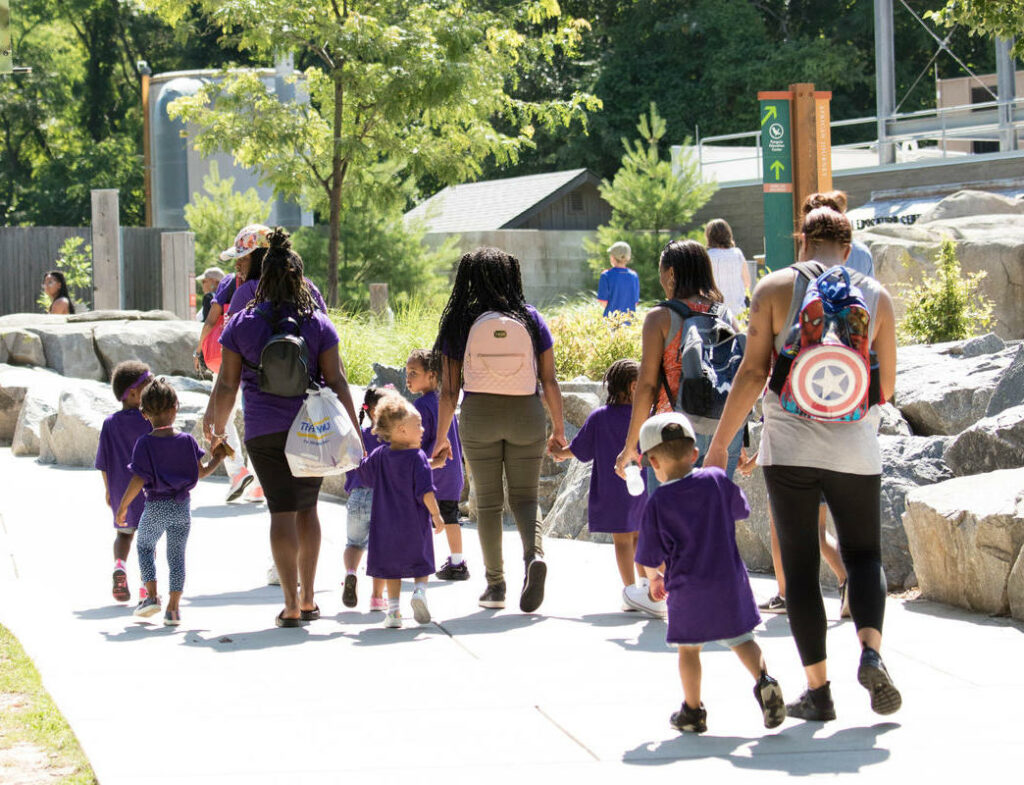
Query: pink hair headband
point(135, 384)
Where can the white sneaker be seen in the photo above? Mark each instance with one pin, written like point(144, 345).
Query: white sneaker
point(638, 597)
point(420, 611)
point(239, 483)
point(393, 620)
point(273, 579)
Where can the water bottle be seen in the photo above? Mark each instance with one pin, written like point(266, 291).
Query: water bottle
point(634, 482)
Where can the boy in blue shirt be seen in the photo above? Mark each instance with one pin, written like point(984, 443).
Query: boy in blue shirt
point(618, 288)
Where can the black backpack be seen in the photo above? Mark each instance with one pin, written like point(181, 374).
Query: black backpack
point(284, 362)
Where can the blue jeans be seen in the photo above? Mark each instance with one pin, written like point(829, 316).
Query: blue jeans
point(703, 442)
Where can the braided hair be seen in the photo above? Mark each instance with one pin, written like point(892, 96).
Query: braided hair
point(282, 281)
point(487, 279)
point(618, 378)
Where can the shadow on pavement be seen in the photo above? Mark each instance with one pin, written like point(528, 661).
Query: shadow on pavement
point(410, 633)
point(485, 622)
point(228, 510)
point(271, 638)
point(940, 611)
point(795, 750)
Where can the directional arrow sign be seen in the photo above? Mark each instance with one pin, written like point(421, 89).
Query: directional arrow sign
point(777, 176)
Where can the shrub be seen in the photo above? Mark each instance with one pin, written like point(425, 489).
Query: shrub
point(946, 307)
point(586, 343)
point(75, 261)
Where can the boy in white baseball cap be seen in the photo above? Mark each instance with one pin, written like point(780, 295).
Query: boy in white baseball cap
point(688, 546)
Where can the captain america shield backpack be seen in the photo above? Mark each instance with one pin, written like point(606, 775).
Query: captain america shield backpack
point(826, 371)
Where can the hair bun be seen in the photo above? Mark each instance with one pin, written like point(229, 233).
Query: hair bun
point(280, 239)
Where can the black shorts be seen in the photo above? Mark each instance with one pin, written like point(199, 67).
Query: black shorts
point(284, 492)
point(449, 511)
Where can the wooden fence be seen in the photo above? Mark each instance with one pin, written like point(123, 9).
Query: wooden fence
point(27, 252)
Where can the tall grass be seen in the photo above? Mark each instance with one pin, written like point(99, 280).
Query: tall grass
point(585, 342)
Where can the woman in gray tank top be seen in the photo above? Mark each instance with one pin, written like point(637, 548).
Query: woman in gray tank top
point(805, 459)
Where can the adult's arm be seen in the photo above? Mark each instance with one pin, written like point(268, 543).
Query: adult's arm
point(885, 345)
point(222, 400)
point(553, 398)
point(753, 371)
point(216, 309)
point(448, 399)
point(655, 330)
point(333, 370)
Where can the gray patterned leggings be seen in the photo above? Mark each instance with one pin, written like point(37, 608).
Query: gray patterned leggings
point(158, 517)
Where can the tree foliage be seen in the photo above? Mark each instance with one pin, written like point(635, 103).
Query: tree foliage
point(411, 85)
point(652, 199)
point(74, 260)
point(989, 18)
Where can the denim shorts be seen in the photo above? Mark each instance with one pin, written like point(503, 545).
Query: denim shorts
point(358, 506)
point(729, 643)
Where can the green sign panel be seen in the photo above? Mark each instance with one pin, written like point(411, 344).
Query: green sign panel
point(6, 64)
point(777, 176)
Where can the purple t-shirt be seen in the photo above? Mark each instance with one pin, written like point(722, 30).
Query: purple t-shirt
point(448, 479)
point(690, 524)
point(370, 443)
point(456, 352)
point(117, 440)
point(246, 334)
point(610, 507)
point(169, 465)
point(401, 535)
point(225, 290)
point(247, 291)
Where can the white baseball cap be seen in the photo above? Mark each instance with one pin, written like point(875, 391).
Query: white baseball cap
point(665, 428)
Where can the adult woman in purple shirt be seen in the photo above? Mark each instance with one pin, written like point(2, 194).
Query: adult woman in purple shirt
point(294, 525)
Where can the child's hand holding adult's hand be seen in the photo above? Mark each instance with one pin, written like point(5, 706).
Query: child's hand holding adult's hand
point(122, 516)
point(657, 588)
point(442, 450)
point(747, 464)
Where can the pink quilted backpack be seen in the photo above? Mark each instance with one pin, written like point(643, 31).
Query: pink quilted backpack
point(499, 357)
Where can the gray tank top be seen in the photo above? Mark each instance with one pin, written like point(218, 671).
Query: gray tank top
point(789, 440)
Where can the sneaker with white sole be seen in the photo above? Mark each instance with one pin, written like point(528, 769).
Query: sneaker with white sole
point(273, 579)
point(393, 621)
point(378, 604)
point(533, 585)
point(493, 596)
point(148, 607)
point(776, 604)
point(239, 483)
point(254, 495)
point(420, 611)
point(172, 618)
point(768, 694)
point(638, 597)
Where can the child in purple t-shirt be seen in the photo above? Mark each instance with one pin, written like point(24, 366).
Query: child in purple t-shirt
point(403, 506)
point(610, 507)
point(688, 544)
point(167, 466)
point(422, 374)
point(357, 509)
point(117, 440)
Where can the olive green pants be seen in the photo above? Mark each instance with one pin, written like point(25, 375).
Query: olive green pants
point(503, 436)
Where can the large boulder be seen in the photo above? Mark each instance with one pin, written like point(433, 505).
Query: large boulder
point(965, 536)
point(41, 400)
point(576, 407)
point(120, 316)
point(568, 516)
point(989, 234)
point(165, 346)
point(383, 375)
point(891, 422)
point(72, 436)
point(1010, 389)
point(21, 347)
point(15, 382)
point(942, 393)
point(71, 350)
point(992, 443)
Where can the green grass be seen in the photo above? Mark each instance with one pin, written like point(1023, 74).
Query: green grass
point(29, 716)
point(585, 343)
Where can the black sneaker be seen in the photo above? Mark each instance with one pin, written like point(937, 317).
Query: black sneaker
point(769, 697)
point(494, 596)
point(533, 585)
point(348, 592)
point(453, 572)
point(690, 720)
point(814, 705)
point(872, 675)
point(776, 604)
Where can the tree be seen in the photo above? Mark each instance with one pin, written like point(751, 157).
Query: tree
point(995, 18)
point(416, 85)
point(652, 200)
point(216, 216)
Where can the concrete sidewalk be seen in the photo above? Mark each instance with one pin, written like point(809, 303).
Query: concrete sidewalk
point(577, 691)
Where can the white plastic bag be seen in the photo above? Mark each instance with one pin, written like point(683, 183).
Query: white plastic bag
point(322, 440)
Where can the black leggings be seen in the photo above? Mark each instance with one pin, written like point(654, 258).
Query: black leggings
point(794, 493)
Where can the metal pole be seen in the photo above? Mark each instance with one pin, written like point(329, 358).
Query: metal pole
point(1006, 88)
point(885, 78)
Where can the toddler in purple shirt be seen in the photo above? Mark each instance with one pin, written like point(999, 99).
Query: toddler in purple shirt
point(118, 435)
point(610, 507)
point(422, 375)
point(688, 543)
point(166, 465)
point(403, 507)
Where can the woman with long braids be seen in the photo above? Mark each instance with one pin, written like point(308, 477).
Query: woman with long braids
point(294, 525)
point(503, 433)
